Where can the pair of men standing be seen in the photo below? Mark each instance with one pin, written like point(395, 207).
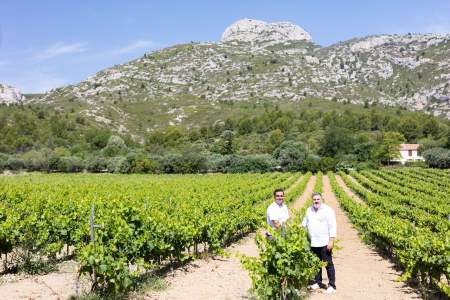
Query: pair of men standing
point(320, 221)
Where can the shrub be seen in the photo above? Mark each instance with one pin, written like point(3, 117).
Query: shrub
point(328, 164)
point(14, 164)
point(311, 163)
point(115, 146)
point(437, 157)
point(284, 265)
point(119, 164)
point(291, 155)
point(36, 161)
point(3, 159)
point(242, 163)
point(71, 164)
point(97, 164)
point(188, 162)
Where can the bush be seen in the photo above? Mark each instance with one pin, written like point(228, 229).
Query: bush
point(284, 265)
point(367, 165)
point(71, 164)
point(54, 162)
point(291, 155)
point(346, 163)
point(328, 164)
point(188, 162)
point(97, 164)
point(311, 163)
point(14, 164)
point(3, 159)
point(115, 146)
point(241, 163)
point(259, 163)
point(437, 157)
point(36, 161)
point(119, 164)
point(141, 163)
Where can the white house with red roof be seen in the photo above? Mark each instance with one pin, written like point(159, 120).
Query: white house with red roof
point(408, 152)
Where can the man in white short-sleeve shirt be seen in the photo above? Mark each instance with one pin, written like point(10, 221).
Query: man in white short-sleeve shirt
point(320, 221)
point(277, 212)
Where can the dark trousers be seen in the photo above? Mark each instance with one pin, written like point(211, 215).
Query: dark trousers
point(325, 255)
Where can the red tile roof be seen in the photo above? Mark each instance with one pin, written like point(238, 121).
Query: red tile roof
point(405, 147)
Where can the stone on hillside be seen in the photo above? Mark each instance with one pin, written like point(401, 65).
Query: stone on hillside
point(247, 30)
point(10, 95)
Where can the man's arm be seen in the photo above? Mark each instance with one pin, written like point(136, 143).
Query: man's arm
point(305, 220)
point(274, 219)
point(331, 229)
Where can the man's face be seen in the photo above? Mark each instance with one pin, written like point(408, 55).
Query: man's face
point(317, 200)
point(279, 197)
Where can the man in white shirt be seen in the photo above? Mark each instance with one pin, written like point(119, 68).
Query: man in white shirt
point(277, 212)
point(320, 221)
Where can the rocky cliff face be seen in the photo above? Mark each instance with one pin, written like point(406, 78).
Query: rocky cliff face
point(412, 71)
point(10, 95)
point(248, 30)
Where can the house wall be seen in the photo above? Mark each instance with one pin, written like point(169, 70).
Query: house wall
point(405, 156)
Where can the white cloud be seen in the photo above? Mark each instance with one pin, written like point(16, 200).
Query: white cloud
point(141, 44)
point(59, 49)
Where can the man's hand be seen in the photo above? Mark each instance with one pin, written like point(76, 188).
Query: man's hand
point(330, 244)
point(277, 224)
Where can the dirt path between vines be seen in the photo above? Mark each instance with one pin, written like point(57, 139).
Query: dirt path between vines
point(56, 285)
point(349, 192)
point(361, 273)
point(219, 277)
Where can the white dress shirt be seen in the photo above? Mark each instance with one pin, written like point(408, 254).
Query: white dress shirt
point(278, 213)
point(321, 225)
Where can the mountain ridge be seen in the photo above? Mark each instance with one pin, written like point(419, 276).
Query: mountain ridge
point(411, 71)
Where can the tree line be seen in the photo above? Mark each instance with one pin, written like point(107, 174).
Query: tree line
point(34, 139)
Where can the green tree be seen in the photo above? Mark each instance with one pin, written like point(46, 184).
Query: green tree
point(276, 137)
point(437, 157)
point(431, 127)
point(337, 141)
point(390, 147)
point(225, 144)
point(291, 155)
point(115, 146)
point(97, 138)
point(245, 126)
point(410, 128)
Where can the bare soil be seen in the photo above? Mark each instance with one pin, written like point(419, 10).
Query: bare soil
point(56, 285)
point(349, 192)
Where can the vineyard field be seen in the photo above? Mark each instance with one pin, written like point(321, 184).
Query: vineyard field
point(118, 228)
point(141, 220)
point(406, 213)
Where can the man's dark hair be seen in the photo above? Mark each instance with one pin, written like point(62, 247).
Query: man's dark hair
point(278, 190)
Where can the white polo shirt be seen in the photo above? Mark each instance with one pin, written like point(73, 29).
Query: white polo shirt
point(278, 213)
point(321, 225)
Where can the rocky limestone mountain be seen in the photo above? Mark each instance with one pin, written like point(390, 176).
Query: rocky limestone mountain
point(10, 95)
point(411, 71)
point(248, 30)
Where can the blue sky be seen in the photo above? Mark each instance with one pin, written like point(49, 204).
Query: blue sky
point(46, 44)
